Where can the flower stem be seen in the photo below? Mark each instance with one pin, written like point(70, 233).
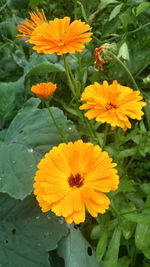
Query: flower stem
point(105, 135)
point(68, 76)
point(59, 130)
point(126, 69)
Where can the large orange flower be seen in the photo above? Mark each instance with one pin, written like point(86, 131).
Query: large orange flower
point(60, 36)
point(44, 90)
point(112, 103)
point(36, 18)
point(73, 176)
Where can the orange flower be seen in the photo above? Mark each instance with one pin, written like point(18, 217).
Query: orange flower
point(27, 27)
point(44, 90)
point(60, 36)
point(112, 103)
point(72, 177)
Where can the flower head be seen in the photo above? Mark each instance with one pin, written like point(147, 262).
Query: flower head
point(36, 18)
point(102, 54)
point(112, 103)
point(73, 176)
point(44, 90)
point(60, 36)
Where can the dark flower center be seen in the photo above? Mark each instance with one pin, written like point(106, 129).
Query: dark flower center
point(75, 180)
point(110, 106)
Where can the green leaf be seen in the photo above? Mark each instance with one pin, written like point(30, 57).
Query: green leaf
point(26, 234)
point(76, 251)
point(17, 168)
point(17, 4)
point(105, 3)
point(127, 18)
point(7, 98)
point(127, 153)
point(102, 244)
point(29, 136)
point(142, 8)
point(115, 11)
point(96, 231)
point(139, 218)
point(34, 3)
point(123, 262)
point(124, 52)
point(146, 253)
point(142, 236)
point(111, 257)
point(128, 228)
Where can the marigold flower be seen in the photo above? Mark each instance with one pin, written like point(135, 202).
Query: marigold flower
point(60, 36)
point(27, 27)
point(72, 177)
point(44, 90)
point(112, 103)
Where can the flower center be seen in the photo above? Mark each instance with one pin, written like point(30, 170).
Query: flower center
point(110, 106)
point(75, 180)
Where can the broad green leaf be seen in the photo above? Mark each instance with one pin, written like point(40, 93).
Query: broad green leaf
point(17, 169)
point(142, 236)
point(76, 251)
point(102, 244)
point(26, 234)
point(104, 3)
point(115, 11)
point(142, 8)
point(30, 135)
point(45, 67)
point(124, 52)
point(111, 257)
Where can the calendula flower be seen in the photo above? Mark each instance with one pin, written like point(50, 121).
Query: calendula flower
point(60, 36)
point(112, 104)
point(26, 28)
point(44, 90)
point(72, 177)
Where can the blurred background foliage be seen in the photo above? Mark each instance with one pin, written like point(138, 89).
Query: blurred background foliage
point(121, 237)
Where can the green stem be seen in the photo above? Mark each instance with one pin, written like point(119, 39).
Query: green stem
point(126, 69)
point(61, 133)
point(68, 76)
point(72, 88)
point(105, 135)
point(132, 211)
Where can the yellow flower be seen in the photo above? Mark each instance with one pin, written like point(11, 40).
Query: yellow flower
point(112, 104)
point(60, 36)
point(44, 90)
point(72, 177)
point(36, 18)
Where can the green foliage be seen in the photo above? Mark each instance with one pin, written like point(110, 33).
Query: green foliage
point(29, 136)
point(76, 251)
point(27, 234)
point(120, 237)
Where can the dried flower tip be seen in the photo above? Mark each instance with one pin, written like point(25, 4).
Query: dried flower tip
point(102, 54)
